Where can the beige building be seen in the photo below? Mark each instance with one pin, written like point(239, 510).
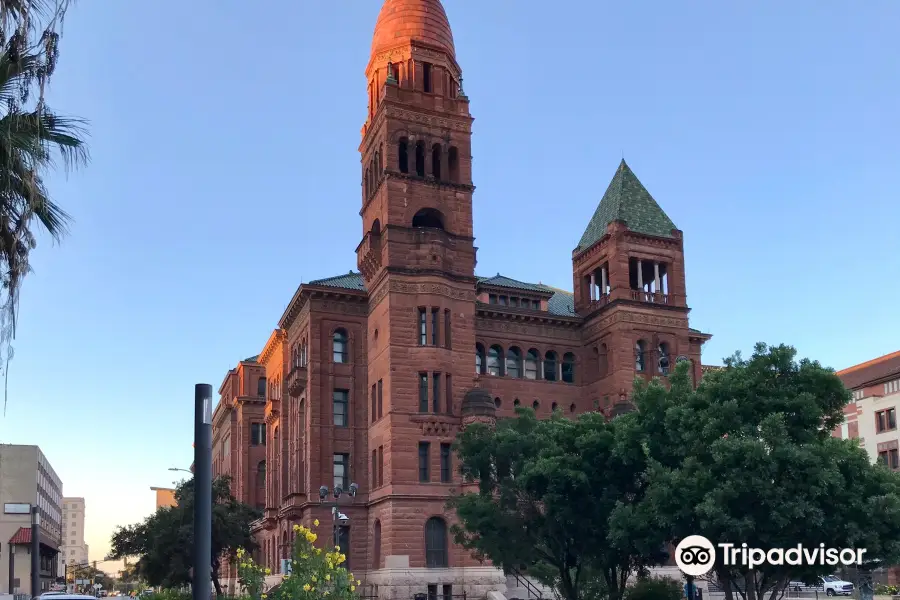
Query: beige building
point(73, 550)
point(871, 417)
point(164, 496)
point(26, 480)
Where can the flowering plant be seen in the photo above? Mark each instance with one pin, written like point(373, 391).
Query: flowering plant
point(315, 573)
point(251, 576)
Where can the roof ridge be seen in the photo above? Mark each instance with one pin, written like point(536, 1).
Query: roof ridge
point(869, 363)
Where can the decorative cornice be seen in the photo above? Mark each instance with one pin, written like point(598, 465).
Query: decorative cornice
point(429, 118)
point(271, 346)
point(487, 287)
point(623, 316)
point(500, 323)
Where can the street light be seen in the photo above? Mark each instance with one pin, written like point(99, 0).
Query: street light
point(337, 517)
point(35, 552)
point(182, 470)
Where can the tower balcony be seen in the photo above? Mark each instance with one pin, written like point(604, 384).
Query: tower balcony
point(296, 381)
point(652, 297)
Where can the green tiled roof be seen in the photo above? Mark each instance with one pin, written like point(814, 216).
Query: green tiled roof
point(507, 282)
point(626, 199)
point(560, 304)
point(252, 359)
point(350, 281)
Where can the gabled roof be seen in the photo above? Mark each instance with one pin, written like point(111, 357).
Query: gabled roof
point(350, 281)
point(626, 199)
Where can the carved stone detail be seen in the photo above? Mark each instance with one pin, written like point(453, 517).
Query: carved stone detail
point(402, 287)
point(345, 308)
point(440, 429)
point(412, 117)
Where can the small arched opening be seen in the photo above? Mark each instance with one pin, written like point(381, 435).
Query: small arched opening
point(436, 161)
point(420, 158)
point(453, 164)
point(403, 155)
point(376, 227)
point(428, 217)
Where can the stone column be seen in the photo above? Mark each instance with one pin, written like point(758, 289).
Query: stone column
point(593, 286)
point(656, 288)
point(603, 282)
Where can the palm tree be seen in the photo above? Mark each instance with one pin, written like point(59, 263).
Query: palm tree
point(32, 139)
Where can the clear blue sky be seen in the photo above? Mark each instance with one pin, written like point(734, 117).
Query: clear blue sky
point(225, 171)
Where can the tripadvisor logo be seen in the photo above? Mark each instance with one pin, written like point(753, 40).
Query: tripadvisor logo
point(696, 555)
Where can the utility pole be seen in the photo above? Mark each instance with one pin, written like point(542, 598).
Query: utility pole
point(202, 491)
point(35, 552)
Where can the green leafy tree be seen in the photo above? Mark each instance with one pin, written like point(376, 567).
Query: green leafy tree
point(748, 457)
point(163, 542)
point(556, 498)
point(33, 139)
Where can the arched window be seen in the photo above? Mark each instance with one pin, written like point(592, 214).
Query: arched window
point(403, 155)
point(341, 355)
point(495, 361)
point(436, 161)
point(420, 158)
point(428, 217)
point(535, 405)
point(376, 543)
point(572, 408)
point(366, 190)
point(261, 387)
point(497, 402)
point(554, 407)
point(453, 164)
point(436, 543)
point(550, 366)
point(663, 360)
point(603, 365)
point(639, 350)
point(514, 362)
point(261, 474)
point(516, 403)
point(568, 368)
point(479, 359)
point(376, 227)
point(531, 364)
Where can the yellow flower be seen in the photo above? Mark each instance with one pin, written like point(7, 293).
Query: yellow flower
point(314, 580)
point(296, 528)
point(240, 551)
point(316, 522)
point(318, 551)
point(337, 548)
point(358, 582)
point(352, 588)
point(264, 596)
point(342, 558)
point(327, 577)
point(311, 537)
point(268, 571)
point(306, 587)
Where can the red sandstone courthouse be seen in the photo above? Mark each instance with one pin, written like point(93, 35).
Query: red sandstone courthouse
point(370, 375)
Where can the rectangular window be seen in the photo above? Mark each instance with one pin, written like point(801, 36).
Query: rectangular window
point(891, 458)
point(423, 326)
point(341, 401)
point(380, 402)
point(447, 328)
point(445, 463)
point(257, 434)
point(436, 392)
point(432, 591)
point(434, 326)
point(424, 474)
point(492, 298)
point(374, 404)
point(886, 420)
point(448, 591)
point(423, 392)
point(504, 301)
point(426, 77)
point(374, 474)
point(380, 465)
point(536, 304)
point(514, 302)
point(342, 471)
point(448, 397)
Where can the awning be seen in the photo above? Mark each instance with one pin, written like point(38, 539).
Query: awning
point(23, 537)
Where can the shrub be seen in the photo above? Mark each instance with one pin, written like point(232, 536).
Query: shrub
point(655, 588)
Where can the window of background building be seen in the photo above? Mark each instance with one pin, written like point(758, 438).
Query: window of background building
point(891, 458)
point(445, 463)
point(886, 420)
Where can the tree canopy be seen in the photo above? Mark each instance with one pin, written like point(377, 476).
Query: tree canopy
point(748, 457)
point(163, 542)
point(556, 499)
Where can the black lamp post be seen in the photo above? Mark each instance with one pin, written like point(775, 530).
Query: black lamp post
point(337, 518)
point(35, 552)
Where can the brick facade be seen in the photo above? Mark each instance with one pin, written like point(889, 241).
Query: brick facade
point(371, 365)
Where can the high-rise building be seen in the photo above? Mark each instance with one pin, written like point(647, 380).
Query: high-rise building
point(370, 375)
point(164, 497)
point(73, 550)
point(27, 479)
